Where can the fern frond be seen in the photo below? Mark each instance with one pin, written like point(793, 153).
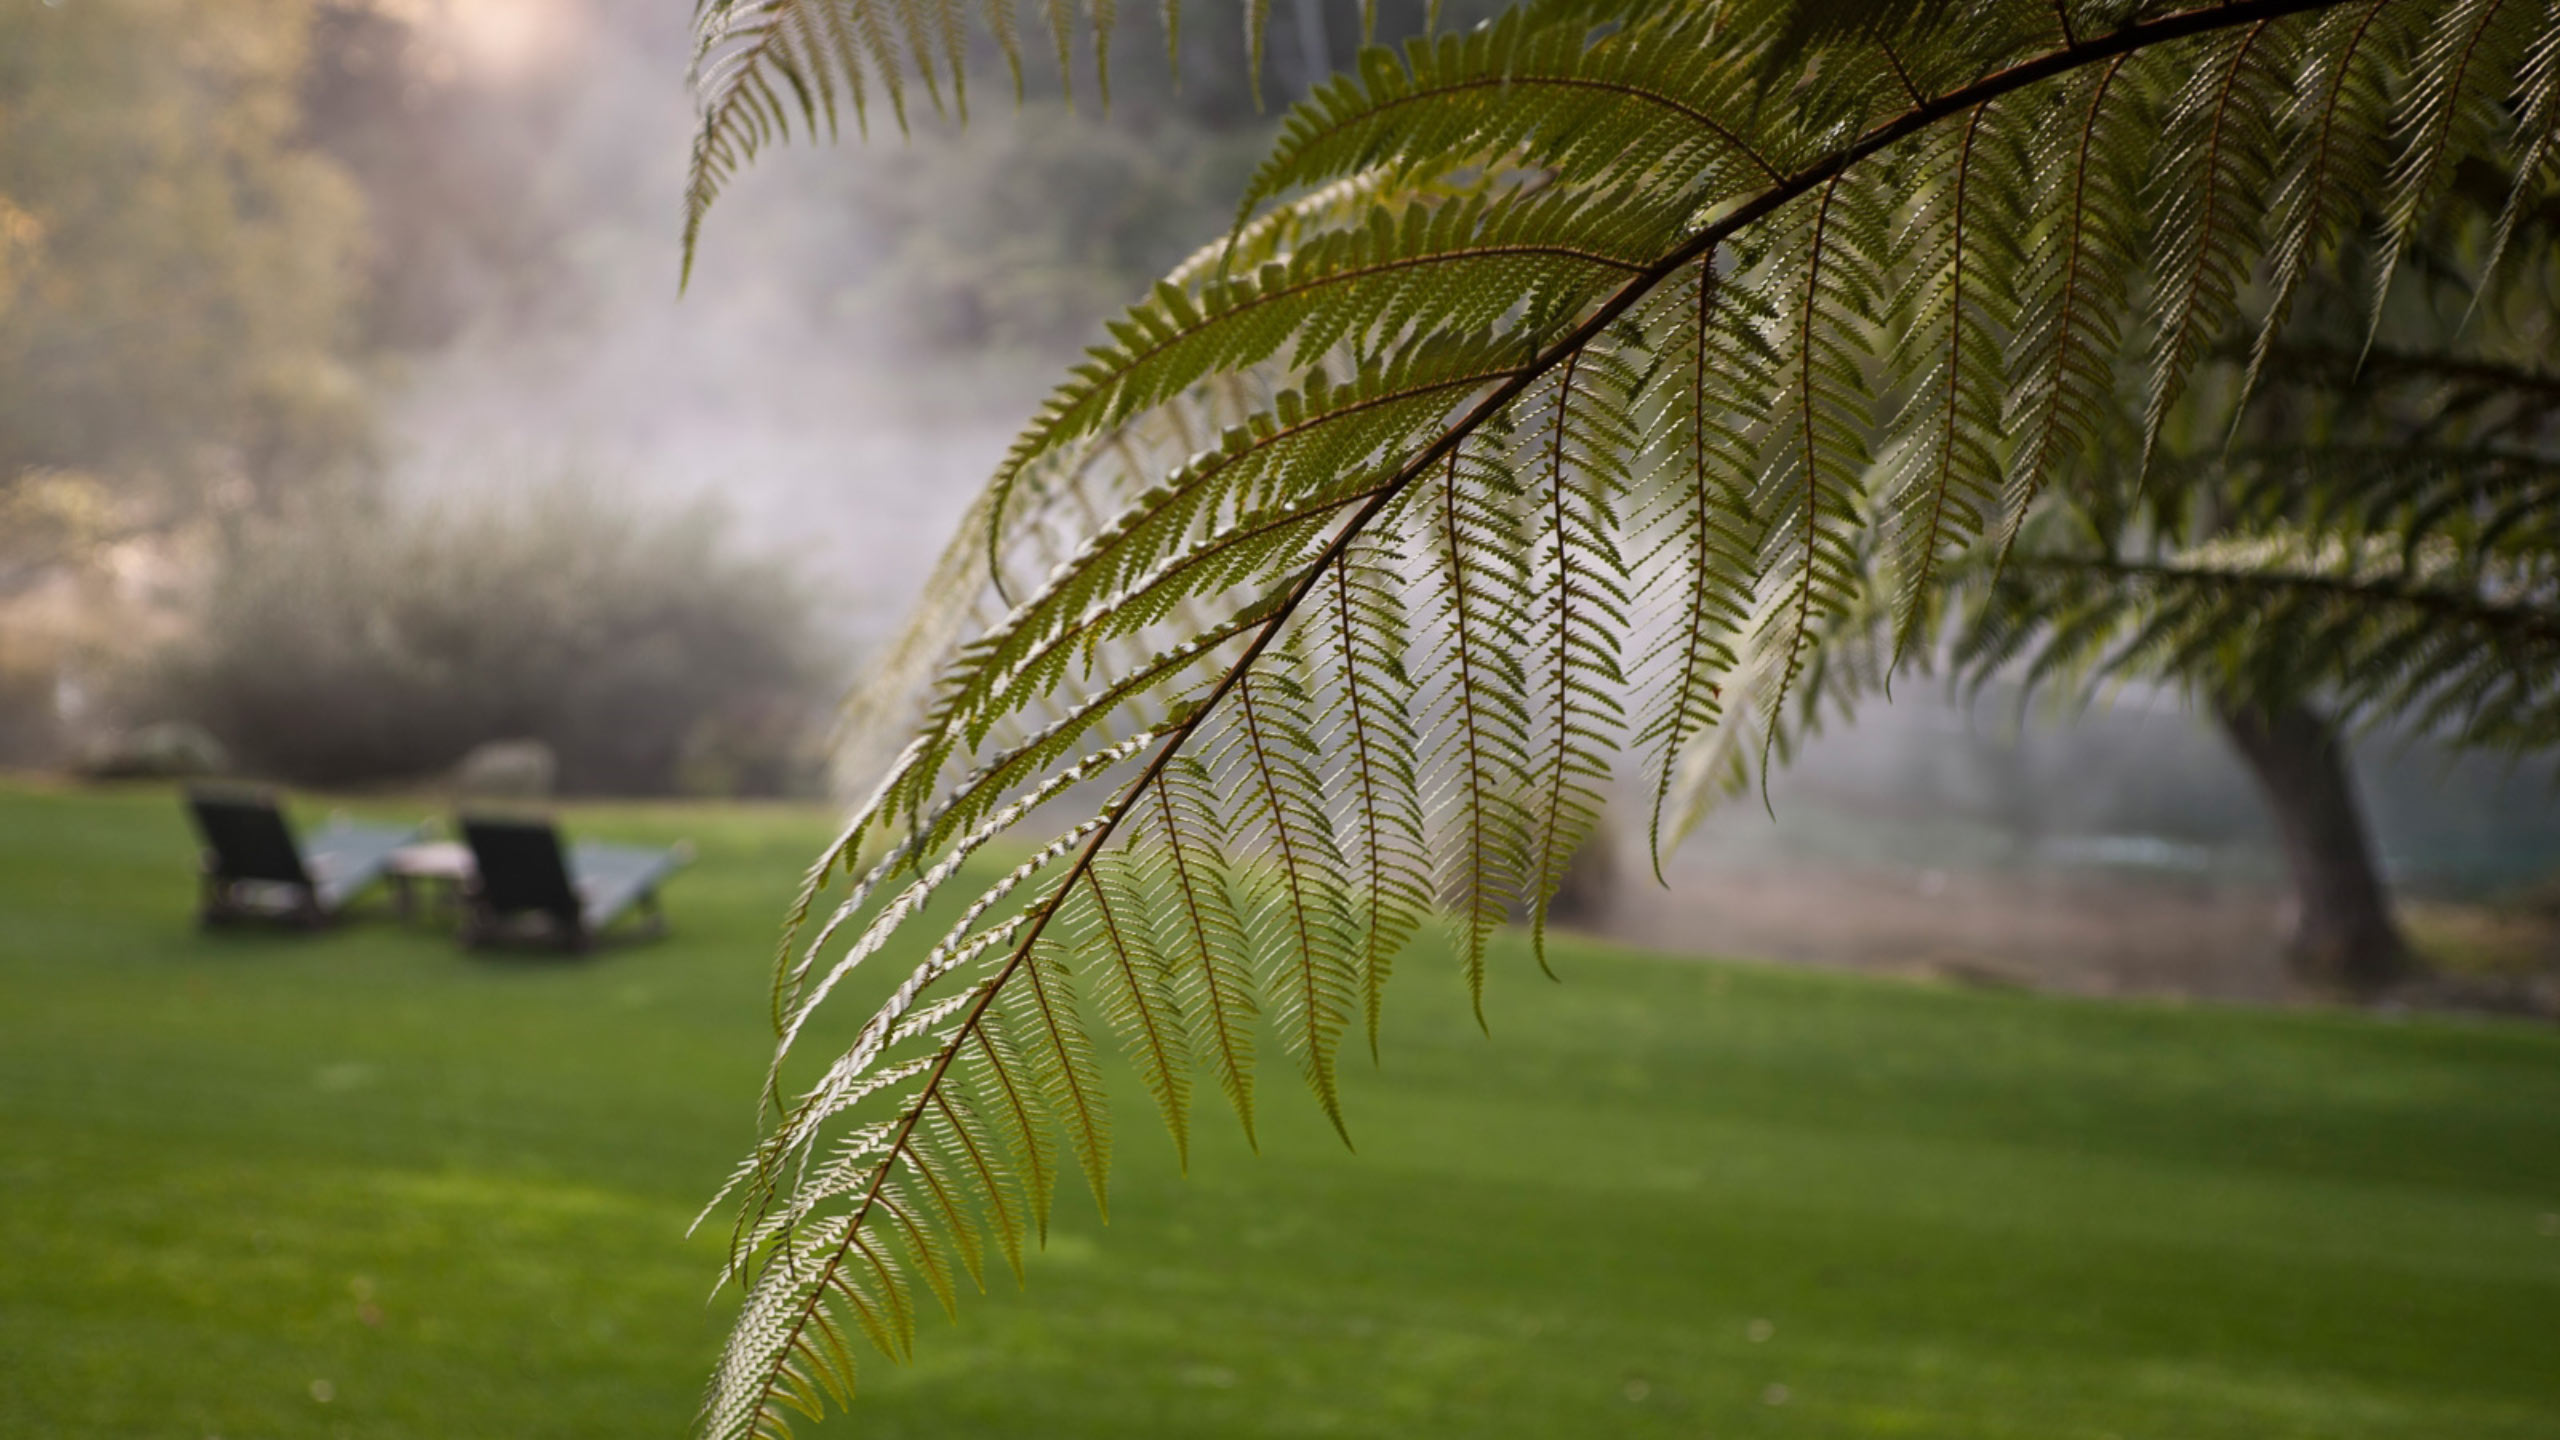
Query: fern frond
point(2476, 660)
point(1141, 1003)
point(1311, 953)
point(2538, 129)
point(2070, 327)
point(1709, 525)
point(1946, 446)
point(1651, 100)
point(748, 54)
point(1583, 585)
point(2338, 127)
point(2463, 72)
point(1612, 377)
point(1343, 288)
point(1196, 895)
point(2221, 128)
point(1479, 689)
point(1819, 445)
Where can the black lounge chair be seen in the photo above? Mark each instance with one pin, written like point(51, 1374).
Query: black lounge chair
point(566, 894)
point(254, 868)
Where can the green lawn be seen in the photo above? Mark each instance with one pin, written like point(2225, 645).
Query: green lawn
point(365, 1184)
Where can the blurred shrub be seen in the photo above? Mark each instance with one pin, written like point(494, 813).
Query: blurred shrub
point(170, 750)
point(30, 730)
point(506, 769)
point(755, 749)
point(358, 645)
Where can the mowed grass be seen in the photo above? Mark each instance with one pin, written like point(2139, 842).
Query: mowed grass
point(366, 1184)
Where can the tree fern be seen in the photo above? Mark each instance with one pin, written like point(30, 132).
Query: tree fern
point(2375, 535)
point(1571, 396)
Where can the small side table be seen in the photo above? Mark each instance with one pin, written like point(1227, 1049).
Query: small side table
point(442, 867)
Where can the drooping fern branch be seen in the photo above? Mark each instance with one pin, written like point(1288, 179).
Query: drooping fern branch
point(2375, 536)
point(1563, 380)
point(2475, 658)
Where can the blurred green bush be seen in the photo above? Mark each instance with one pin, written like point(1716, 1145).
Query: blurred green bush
point(358, 643)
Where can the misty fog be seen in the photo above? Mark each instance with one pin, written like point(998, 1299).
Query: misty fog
point(760, 385)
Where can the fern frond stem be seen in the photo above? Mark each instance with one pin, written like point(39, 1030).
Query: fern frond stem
point(1812, 480)
point(852, 1294)
point(1467, 717)
point(1673, 740)
point(2114, 45)
point(949, 1203)
point(1086, 1121)
point(1955, 390)
point(2062, 17)
point(1137, 990)
point(1899, 73)
point(988, 1178)
point(1564, 662)
point(1218, 1001)
point(879, 1181)
point(1364, 767)
point(1289, 871)
point(973, 1028)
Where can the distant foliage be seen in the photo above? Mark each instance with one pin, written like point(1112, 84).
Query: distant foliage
point(178, 265)
point(361, 646)
point(1564, 386)
point(956, 270)
point(30, 728)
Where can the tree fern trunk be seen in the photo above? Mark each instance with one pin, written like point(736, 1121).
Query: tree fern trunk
point(2345, 937)
point(1587, 899)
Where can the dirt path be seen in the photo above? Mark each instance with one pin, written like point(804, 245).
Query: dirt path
point(2078, 933)
point(2098, 931)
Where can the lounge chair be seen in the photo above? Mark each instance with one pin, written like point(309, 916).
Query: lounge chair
point(254, 868)
point(567, 894)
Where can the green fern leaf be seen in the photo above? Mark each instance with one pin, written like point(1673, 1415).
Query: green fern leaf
point(1608, 378)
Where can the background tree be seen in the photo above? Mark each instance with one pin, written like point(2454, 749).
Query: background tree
point(176, 261)
point(175, 267)
point(1554, 369)
point(360, 644)
point(2366, 542)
